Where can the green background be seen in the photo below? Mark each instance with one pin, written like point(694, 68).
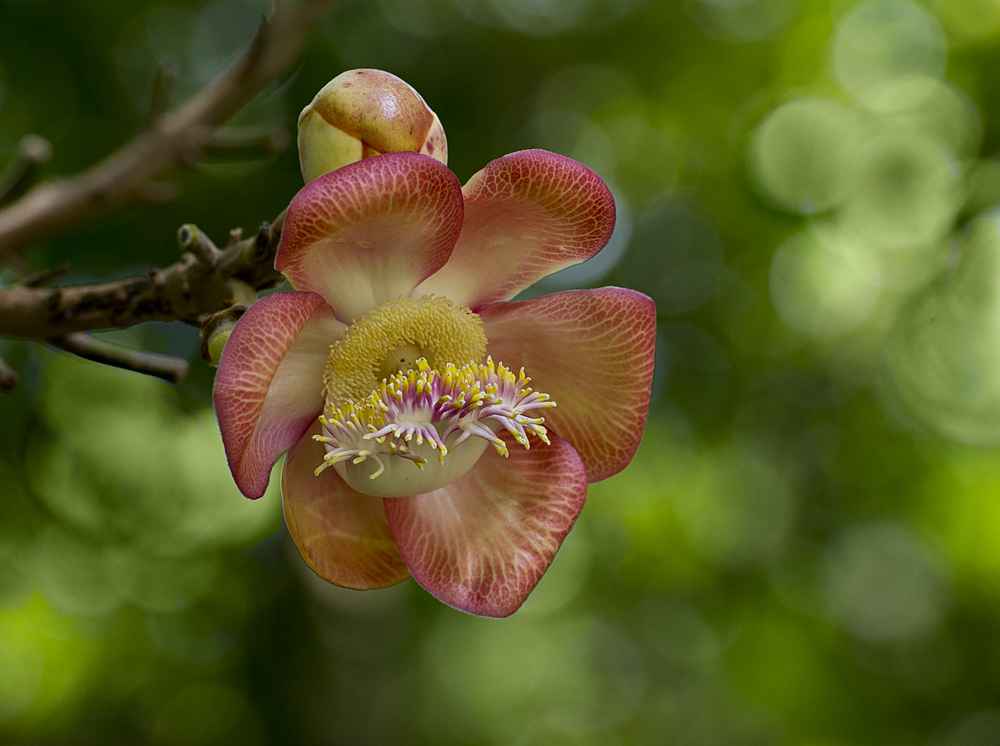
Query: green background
point(805, 550)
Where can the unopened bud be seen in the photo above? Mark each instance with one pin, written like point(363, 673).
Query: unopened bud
point(216, 330)
point(362, 113)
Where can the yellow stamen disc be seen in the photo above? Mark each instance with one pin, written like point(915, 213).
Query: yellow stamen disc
point(366, 353)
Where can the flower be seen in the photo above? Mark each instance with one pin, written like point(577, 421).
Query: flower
point(395, 374)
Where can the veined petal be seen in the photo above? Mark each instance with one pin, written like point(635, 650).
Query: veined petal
point(268, 386)
point(482, 543)
point(371, 231)
point(592, 352)
point(342, 535)
point(527, 215)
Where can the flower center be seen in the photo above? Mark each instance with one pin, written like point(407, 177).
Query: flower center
point(381, 445)
point(405, 386)
point(390, 340)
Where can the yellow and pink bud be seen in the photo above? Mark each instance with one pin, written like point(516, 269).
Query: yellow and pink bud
point(362, 113)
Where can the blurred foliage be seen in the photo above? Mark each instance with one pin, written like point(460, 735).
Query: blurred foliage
point(806, 549)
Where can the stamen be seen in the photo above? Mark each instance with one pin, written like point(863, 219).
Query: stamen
point(343, 435)
point(441, 409)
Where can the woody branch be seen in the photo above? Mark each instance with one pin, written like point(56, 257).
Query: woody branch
point(206, 279)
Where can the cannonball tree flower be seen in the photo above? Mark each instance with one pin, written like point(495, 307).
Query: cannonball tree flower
point(396, 374)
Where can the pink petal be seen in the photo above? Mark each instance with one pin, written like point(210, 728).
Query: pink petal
point(371, 231)
point(527, 215)
point(341, 534)
point(268, 386)
point(482, 543)
point(592, 352)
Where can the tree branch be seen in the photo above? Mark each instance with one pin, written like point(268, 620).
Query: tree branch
point(248, 143)
point(127, 176)
point(37, 279)
point(163, 83)
point(170, 369)
point(32, 152)
point(9, 379)
point(204, 281)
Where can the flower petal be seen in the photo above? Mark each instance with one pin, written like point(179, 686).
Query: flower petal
point(592, 352)
point(341, 534)
point(482, 543)
point(267, 388)
point(527, 215)
point(371, 231)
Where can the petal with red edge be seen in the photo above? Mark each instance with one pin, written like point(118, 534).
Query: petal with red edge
point(269, 383)
point(342, 535)
point(371, 231)
point(527, 215)
point(482, 543)
point(592, 352)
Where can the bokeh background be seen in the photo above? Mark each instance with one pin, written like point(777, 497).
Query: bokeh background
point(806, 549)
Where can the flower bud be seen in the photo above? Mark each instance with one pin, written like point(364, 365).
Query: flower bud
point(362, 113)
point(216, 330)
